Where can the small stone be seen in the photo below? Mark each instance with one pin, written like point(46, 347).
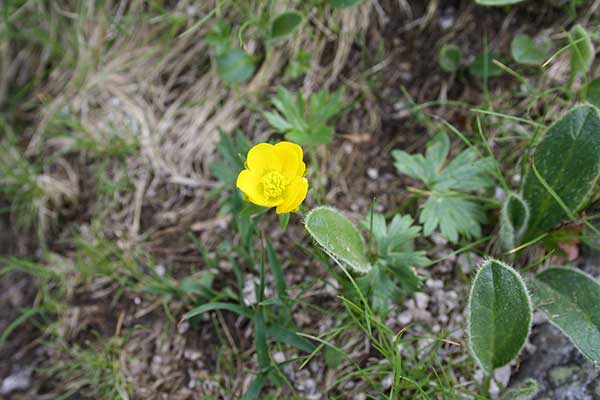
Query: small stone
point(278, 357)
point(421, 300)
point(183, 327)
point(18, 381)
point(160, 270)
point(372, 173)
point(387, 381)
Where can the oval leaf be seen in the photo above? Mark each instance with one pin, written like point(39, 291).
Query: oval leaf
point(568, 159)
point(499, 315)
point(338, 236)
point(285, 24)
point(342, 3)
point(570, 299)
point(525, 51)
point(514, 218)
point(581, 50)
point(235, 66)
point(449, 58)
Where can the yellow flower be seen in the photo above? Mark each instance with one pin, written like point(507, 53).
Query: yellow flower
point(274, 176)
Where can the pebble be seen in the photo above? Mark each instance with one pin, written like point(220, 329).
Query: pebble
point(18, 381)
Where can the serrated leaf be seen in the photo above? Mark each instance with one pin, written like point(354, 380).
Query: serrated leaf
point(525, 51)
point(449, 58)
point(415, 166)
point(285, 24)
point(484, 66)
point(235, 66)
point(514, 219)
point(445, 207)
point(466, 173)
point(338, 237)
point(342, 3)
point(305, 127)
point(568, 159)
point(436, 151)
point(499, 316)
point(497, 2)
point(381, 290)
point(581, 51)
point(454, 215)
point(570, 299)
point(591, 92)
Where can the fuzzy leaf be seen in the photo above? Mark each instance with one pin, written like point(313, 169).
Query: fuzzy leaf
point(499, 315)
point(525, 51)
point(581, 50)
point(338, 237)
point(568, 159)
point(514, 218)
point(570, 300)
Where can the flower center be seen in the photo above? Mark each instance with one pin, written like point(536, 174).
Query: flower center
point(273, 184)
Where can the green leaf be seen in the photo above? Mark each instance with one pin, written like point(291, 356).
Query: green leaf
point(570, 299)
point(235, 66)
point(338, 237)
point(381, 290)
point(568, 159)
point(305, 127)
point(285, 24)
point(484, 67)
point(581, 50)
point(290, 337)
point(525, 51)
point(333, 357)
point(284, 220)
point(235, 308)
point(499, 316)
point(522, 391)
point(252, 209)
point(454, 215)
point(514, 219)
point(591, 92)
point(497, 2)
point(446, 207)
point(342, 3)
point(449, 58)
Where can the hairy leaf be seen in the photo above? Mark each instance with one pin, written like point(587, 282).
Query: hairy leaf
point(499, 315)
point(338, 236)
point(570, 299)
point(568, 159)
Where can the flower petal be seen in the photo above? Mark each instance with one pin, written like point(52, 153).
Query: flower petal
point(250, 184)
point(295, 195)
point(263, 158)
point(291, 156)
